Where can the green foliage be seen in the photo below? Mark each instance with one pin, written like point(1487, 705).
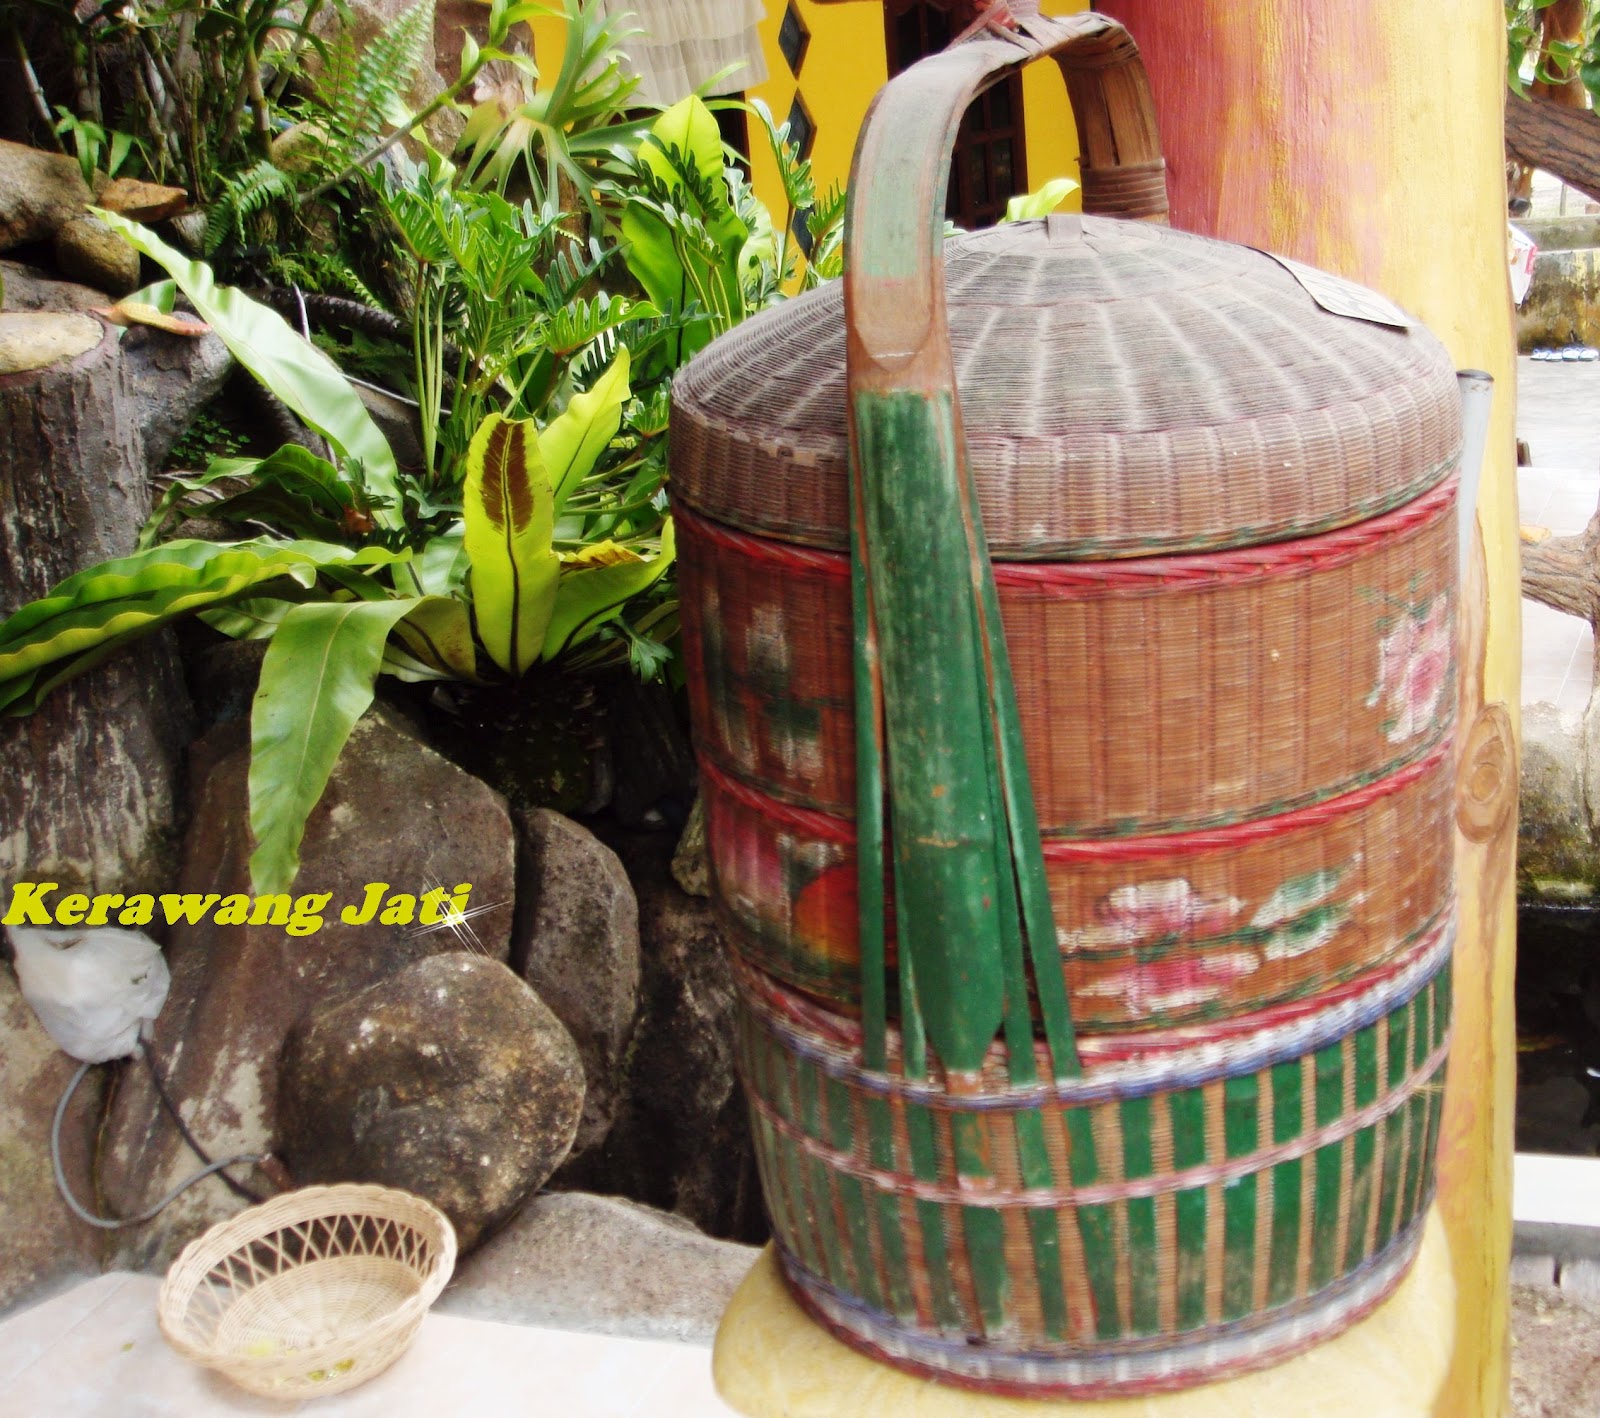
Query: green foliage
point(508, 510)
point(1530, 59)
point(99, 610)
point(535, 529)
point(316, 681)
point(94, 147)
point(1040, 203)
point(296, 371)
point(568, 132)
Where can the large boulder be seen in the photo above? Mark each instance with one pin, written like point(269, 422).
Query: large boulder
point(42, 1245)
point(39, 192)
point(450, 1079)
point(394, 811)
point(570, 1260)
point(576, 941)
point(681, 1141)
point(87, 250)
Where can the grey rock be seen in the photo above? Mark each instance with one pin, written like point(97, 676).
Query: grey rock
point(393, 811)
point(42, 1245)
point(681, 1141)
point(397, 420)
point(1533, 1270)
point(691, 862)
point(1557, 858)
point(87, 250)
point(140, 201)
point(28, 289)
point(39, 192)
point(603, 1265)
point(1580, 1279)
point(576, 941)
point(450, 1079)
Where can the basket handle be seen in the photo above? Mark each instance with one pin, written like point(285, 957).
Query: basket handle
point(939, 739)
point(894, 286)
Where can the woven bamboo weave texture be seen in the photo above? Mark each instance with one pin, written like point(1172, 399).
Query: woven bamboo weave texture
point(1126, 392)
point(310, 1293)
point(1156, 696)
point(1246, 1188)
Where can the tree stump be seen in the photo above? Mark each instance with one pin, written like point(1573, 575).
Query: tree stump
point(90, 785)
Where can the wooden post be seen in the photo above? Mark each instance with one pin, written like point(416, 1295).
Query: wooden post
point(1323, 132)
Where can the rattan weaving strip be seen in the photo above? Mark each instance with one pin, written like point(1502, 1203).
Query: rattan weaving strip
point(1386, 1068)
point(1235, 701)
point(1154, 931)
point(1125, 390)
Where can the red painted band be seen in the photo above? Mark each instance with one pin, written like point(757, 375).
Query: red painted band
point(1072, 580)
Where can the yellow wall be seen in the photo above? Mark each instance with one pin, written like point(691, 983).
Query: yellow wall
point(845, 66)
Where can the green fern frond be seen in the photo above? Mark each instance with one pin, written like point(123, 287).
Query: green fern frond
point(242, 197)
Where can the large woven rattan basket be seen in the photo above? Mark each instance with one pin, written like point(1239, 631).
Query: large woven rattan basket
point(1212, 497)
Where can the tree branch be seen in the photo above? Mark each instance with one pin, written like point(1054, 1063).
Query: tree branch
point(1562, 141)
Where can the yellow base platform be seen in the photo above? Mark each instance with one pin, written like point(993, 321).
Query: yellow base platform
point(773, 1361)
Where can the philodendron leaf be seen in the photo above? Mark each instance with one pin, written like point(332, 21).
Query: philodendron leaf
point(507, 507)
point(597, 584)
point(690, 128)
point(134, 595)
point(1040, 203)
point(572, 443)
point(316, 681)
point(294, 369)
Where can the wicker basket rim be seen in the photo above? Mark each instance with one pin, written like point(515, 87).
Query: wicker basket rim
point(311, 1203)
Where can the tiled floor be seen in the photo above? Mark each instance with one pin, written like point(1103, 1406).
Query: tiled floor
point(95, 1352)
point(1558, 416)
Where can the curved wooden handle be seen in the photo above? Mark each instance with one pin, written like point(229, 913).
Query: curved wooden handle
point(894, 232)
point(939, 743)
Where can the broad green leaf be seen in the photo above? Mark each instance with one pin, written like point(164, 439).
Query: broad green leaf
point(292, 368)
point(316, 681)
point(589, 595)
point(572, 443)
point(253, 618)
point(291, 490)
point(441, 565)
point(689, 127)
point(508, 512)
point(438, 633)
point(1040, 203)
point(136, 594)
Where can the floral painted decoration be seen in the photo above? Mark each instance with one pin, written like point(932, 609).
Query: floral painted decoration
point(1413, 668)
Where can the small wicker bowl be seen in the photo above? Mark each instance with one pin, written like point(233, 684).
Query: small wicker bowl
point(310, 1293)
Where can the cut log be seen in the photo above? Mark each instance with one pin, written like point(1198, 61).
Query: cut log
point(90, 784)
point(1564, 142)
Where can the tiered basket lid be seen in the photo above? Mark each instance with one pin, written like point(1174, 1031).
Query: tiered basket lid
point(1126, 389)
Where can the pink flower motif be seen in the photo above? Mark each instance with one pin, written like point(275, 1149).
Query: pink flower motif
point(1152, 910)
point(1178, 982)
point(1413, 668)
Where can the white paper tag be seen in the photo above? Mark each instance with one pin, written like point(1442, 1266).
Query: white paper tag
point(1341, 297)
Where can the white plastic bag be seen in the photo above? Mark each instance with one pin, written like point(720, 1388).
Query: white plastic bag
point(92, 989)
